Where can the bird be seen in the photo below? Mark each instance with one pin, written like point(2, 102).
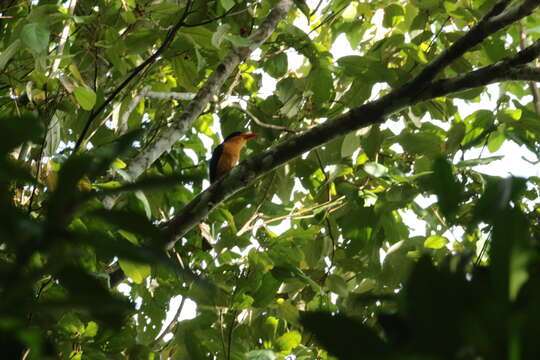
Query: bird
point(225, 156)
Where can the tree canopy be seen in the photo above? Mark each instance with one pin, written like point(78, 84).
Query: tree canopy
point(109, 113)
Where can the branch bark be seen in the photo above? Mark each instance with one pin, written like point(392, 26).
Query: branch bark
point(184, 122)
point(420, 88)
point(367, 114)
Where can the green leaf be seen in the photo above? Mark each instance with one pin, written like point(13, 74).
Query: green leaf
point(219, 35)
point(375, 169)
point(393, 14)
point(495, 141)
point(351, 143)
point(135, 271)
point(350, 12)
point(321, 83)
point(71, 324)
point(337, 285)
point(422, 143)
point(267, 291)
point(448, 190)
point(455, 136)
point(435, 242)
point(426, 4)
point(301, 4)
point(269, 328)
point(289, 341)
point(475, 162)
point(91, 330)
point(261, 355)
point(186, 73)
point(201, 62)
point(85, 97)
point(277, 65)
point(146, 204)
point(36, 36)
point(128, 17)
point(237, 40)
point(8, 53)
point(227, 4)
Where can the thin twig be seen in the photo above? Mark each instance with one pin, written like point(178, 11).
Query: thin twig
point(222, 334)
point(227, 13)
point(296, 215)
point(229, 336)
point(123, 124)
point(171, 325)
point(262, 124)
point(256, 214)
point(328, 225)
point(315, 10)
point(330, 17)
point(38, 168)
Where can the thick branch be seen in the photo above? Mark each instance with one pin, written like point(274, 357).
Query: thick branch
point(510, 69)
point(365, 115)
point(171, 135)
point(419, 89)
point(491, 23)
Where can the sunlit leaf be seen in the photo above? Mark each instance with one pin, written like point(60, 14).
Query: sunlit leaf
point(8, 53)
point(85, 97)
point(289, 341)
point(375, 169)
point(136, 272)
point(435, 242)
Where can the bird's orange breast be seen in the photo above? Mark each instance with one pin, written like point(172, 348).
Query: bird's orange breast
point(229, 157)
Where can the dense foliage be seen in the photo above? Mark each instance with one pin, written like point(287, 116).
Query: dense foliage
point(109, 111)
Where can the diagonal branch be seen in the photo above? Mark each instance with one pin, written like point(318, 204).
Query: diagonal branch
point(365, 115)
point(513, 68)
point(171, 135)
point(494, 21)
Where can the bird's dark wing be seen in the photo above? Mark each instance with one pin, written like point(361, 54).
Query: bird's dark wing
point(218, 151)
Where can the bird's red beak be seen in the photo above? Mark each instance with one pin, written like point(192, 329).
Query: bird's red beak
point(249, 135)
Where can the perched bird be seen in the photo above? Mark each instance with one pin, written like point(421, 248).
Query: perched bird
point(226, 154)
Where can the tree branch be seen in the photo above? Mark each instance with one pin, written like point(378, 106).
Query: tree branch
point(262, 124)
point(491, 23)
point(170, 95)
point(123, 122)
point(510, 69)
point(171, 135)
point(368, 114)
point(365, 115)
point(63, 38)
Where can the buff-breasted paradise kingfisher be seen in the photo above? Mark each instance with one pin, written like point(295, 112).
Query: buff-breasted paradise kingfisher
point(226, 154)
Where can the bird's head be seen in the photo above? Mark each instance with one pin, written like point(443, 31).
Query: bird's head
point(240, 135)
